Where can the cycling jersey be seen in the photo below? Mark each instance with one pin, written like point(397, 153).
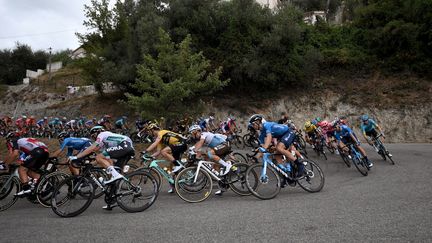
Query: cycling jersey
point(30, 122)
point(107, 139)
point(345, 134)
point(26, 145)
point(310, 129)
point(276, 130)
point(55, 122)
point(212, 140)
point(71, 123)
point(41, 122)
point(368, 127)
point(169, 138)
point(72, 144)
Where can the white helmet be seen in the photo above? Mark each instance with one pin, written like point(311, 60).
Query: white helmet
point(194, 127)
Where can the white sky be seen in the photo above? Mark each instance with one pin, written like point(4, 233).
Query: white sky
point(41, 23)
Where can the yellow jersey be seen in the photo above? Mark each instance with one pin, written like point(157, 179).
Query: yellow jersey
point(169, 138)
point(310, 129)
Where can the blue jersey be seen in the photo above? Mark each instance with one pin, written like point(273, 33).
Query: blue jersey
point(40, 122)
point(345, 133)
point(276, 130)
point(77, 144)
point(368, 127)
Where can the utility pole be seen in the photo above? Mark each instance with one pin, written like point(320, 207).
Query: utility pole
point(49, 66)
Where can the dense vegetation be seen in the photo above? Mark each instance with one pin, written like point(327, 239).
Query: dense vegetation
point(254, 47)
point(15, 62)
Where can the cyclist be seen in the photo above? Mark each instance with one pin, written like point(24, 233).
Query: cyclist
point(168, 144)
point(55, 123)
point(368, 128)
point(31, 155)
point(30, 122)
point(284, 135)
point(344, 136)
point(310, 133)
point(284, 118)
point(214, 145)
point(113, 146)
point(105, 122)
point(72, 144)
point(208, 123)
point(121, 123)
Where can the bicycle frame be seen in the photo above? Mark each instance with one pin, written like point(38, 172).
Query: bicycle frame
point(206, 166)
point(355, 152)
point(155, 164)
point(267, 161)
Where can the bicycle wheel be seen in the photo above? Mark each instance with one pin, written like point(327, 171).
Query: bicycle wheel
point(312, 179)
point(262, 186)
point(190, 190)
point(238, 158)
point(386, 154)
point(72, 196)
point(9, 186)
point(345, 158)
point(46, 186)
point(138, 192)
point(246, 140)
point(237, 179)
point(360, 166)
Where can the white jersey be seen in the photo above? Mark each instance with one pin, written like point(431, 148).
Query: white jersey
point(208, 137)
point(108, 139)
point(27, 145)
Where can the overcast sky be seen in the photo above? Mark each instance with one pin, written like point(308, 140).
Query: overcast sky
point(41, 23)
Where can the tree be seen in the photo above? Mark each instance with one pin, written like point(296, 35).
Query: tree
point(171, 82)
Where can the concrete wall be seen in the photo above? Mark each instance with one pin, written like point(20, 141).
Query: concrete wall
point(55, 66)
point(33, 74)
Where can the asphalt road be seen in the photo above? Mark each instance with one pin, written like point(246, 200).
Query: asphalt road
point(392, 204)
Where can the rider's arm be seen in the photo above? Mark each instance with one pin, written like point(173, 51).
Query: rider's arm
point(93, 148)
point(267, 141)
point(12, 156)
point(154, 144)
point(199, 144)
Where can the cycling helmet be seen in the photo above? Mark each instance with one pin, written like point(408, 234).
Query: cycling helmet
point(96, 129)
point(24, 117)
point(256, 117)
point(194, 127)
point(56, 119)
point(325, 123)
point(45, 118)
point(63, 135)
point(318, 119)
point(153, 126)
point(315, 122)
point(364, 117)
point(289, 121)
point(307, 124)
point(107, 116)
point(124, 117)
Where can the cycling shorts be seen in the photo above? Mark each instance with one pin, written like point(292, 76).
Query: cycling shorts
point(288, 139)
point(177, 150)
point(372, 133)
point(36, 159)
point(123, 149)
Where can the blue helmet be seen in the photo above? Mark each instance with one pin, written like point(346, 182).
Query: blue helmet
point(364, 117)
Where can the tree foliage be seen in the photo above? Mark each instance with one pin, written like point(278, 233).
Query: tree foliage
point(168, 83)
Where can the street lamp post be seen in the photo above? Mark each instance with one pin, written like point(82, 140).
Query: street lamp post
point(49, 66)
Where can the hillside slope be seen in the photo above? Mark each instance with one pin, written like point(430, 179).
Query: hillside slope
point(401, 104)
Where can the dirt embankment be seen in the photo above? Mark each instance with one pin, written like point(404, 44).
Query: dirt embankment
point(402, 107)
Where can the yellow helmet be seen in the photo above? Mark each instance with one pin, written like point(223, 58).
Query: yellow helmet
point(308, 124)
